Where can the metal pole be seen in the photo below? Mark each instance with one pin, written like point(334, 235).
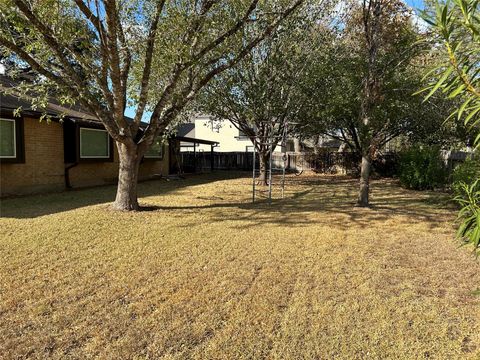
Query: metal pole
point(284, 157)
point(253, 175)
point(270, 173)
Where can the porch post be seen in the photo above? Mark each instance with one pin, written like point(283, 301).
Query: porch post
point(211, 158)
point(194, 157)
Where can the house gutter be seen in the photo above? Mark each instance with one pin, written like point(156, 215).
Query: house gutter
point(67, 175)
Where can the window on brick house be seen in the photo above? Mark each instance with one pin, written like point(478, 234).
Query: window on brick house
point(94, 144)
point(11, 140)
point(8, 141)
point(156, 150)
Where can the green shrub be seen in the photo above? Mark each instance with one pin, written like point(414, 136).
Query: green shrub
point(465, 173)
point(422, 168)
point(469, 215)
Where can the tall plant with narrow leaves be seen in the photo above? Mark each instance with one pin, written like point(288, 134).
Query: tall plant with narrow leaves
point(457, 25)
point(469, 214)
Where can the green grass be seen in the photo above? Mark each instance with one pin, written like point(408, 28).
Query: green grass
point(204, 274)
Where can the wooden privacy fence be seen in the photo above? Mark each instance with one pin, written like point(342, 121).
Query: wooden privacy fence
point(202, 161)
point(328, 162)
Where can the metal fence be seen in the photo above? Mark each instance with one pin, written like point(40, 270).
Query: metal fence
point(453, 158)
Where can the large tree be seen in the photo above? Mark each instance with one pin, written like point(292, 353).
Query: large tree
point(125, 47)
point(383, 32)
point(264, 93)
point(366, 81)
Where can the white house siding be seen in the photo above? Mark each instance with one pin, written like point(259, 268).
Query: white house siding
point(222, 132)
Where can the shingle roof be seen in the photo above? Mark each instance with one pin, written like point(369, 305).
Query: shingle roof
point(53, 108)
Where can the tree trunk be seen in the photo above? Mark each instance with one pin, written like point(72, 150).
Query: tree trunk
point(316, 145)
point(126, 199)
point(364, 181)
point(264, 162)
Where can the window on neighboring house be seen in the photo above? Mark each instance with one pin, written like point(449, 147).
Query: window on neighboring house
point(8, 141)
point(94, 144)
point(156, 150)
point(242, 135)
point(215, 126)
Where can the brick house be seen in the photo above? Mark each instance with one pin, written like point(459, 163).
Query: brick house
point(38, 156)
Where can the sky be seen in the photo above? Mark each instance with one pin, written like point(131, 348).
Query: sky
point(416, 4)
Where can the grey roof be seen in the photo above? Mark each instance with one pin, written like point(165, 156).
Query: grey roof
point(186, 129)
point(73, 113)
point(54, 108)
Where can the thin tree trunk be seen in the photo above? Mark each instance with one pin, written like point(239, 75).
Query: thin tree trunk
point(316, 145)
point(364, 181)
point(262, 178)
point(372, 12)
point(126, 199)
point(297, 146)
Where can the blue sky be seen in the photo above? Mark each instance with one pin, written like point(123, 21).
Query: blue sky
point(130, 111)
point(416, 4)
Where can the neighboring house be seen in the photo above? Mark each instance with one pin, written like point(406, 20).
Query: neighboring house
point(229, 138)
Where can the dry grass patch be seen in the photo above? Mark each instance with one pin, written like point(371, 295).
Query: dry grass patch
point(206, 275)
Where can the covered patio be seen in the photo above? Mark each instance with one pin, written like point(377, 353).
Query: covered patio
point(185, 158)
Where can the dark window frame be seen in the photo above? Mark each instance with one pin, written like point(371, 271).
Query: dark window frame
point(153, 158)
point(19, 141)
point(81, 159)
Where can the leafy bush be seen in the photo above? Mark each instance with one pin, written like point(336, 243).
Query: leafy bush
point(466, 173)
point(469, 215)
point(422, 168)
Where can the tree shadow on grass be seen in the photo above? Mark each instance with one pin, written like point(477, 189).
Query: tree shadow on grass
point(32, 206)
point(306, 198)
point(334, 198)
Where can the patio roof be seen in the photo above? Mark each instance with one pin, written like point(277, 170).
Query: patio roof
point(195, 141)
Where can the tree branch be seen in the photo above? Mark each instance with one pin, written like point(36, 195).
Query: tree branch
point(147, 67)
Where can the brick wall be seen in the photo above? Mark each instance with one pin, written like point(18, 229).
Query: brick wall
point(43, 169)
point(44, 166)
point(98, 173)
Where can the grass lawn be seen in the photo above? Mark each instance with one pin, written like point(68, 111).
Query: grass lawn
point(204, 274)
